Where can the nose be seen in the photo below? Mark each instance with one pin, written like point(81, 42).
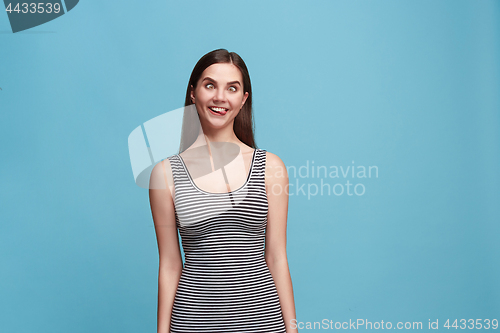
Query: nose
point(220, 95)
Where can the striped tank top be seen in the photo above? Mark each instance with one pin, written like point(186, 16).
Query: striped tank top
point(225, 285)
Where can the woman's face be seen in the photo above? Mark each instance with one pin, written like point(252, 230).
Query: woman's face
point(219, 95)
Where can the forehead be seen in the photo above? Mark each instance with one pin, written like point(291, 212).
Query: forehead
point(223, 72)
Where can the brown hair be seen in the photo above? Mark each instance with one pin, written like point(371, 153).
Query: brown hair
point(243, 123)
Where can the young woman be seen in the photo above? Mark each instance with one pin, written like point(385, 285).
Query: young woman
point(228, 199)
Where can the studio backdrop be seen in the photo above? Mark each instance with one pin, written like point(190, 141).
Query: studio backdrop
point(386, 114)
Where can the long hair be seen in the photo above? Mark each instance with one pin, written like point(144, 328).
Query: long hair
point(243, 123)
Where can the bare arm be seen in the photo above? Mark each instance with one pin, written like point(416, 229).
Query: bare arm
point(275, 251)
point(170, 266)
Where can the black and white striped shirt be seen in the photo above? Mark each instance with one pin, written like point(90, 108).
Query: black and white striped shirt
point(225, 284)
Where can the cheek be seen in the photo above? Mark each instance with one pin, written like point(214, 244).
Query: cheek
point(204, 95)
point(237, 100)
point(201, 96)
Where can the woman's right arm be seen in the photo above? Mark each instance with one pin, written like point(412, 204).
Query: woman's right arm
point(170, 263)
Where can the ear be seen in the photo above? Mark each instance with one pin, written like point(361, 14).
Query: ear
point(192, 94)
point(244, 99)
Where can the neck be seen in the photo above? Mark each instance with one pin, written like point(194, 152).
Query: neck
point(225, 134)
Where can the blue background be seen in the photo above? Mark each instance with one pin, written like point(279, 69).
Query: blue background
point(411, 87)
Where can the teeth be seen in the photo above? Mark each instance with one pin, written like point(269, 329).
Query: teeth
point(218, 109)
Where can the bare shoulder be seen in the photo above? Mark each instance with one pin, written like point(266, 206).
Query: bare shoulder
point(161, 175)
point(161, 167)
point(275, 168)
point(273, 160)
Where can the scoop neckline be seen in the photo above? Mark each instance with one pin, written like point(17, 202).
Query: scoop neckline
point(221, 193)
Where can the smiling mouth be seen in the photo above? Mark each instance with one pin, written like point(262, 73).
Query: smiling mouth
point(218, 111)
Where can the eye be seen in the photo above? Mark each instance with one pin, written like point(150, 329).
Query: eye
point(232, 88)
point(209, 86)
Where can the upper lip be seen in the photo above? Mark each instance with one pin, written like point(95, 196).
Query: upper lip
point(220, 107)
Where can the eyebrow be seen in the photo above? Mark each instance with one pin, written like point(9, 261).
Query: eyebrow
point(229, 83)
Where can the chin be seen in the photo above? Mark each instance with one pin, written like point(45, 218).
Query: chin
point(217, 123)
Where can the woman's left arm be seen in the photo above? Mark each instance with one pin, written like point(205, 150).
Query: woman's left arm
point(275, 250)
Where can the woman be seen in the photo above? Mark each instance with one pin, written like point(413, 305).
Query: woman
point(227, 198)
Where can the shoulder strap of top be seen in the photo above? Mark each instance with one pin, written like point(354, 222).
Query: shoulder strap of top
point(259, 164)
point(178, 172)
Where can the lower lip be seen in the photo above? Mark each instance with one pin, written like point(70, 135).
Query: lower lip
point(217, 114)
